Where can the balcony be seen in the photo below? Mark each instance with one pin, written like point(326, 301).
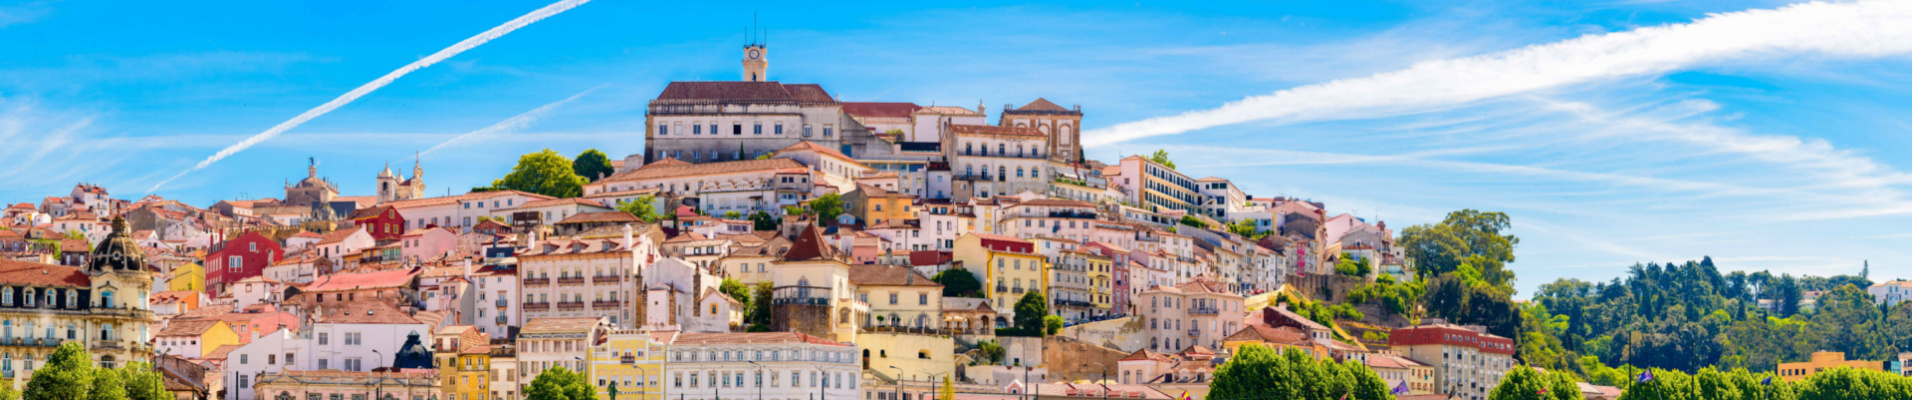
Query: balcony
point(1001, 288)
point(1016, 290)
point(7, 373)
point(803, 295)
point(1195, 332)
point(574, 280)
point(1072, 214)
point(501, 320)
point(1203, 311)
point(109, 344)
point(501, 303)
point(540, 306)
point(605, 304)
point(599, 280)
point(570, 305)
point(1074, 303)
point(537, 281)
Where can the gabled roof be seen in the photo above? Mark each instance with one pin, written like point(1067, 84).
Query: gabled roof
point(745, 91)
point(194, 327)
point(363, 280)
point(810, 245)
point(548, 325)
point(1264, 333)
point(888, 275)
point(1041, 104)
point(36, 274)
point(340, 235)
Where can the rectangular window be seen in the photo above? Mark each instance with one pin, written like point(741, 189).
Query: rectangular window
point(697, 129)
point(806, 130)
point(736, 129)
point(779, 128)
point(757, 129)
point(324, 340)
point(678, 127)
point(324, 363)
point(827, 130)
point(661, 130)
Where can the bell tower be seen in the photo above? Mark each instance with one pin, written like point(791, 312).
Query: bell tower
point(756, 53)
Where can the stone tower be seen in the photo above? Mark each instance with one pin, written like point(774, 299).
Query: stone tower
point(756, 65)
point(387, 184)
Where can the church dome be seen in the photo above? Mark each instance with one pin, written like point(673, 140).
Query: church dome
point(118, 252)
point(324, 212)
point(387, 173)
point(413, 354)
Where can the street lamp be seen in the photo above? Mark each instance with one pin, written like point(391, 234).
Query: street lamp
point(1105, 380)
point(821, 394)
point(933, 390)
point(759, 380)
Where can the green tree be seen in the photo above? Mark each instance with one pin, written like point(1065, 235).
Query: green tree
point(1029, 313)
point(948, 391)
point(592, 164)
point(991, 350)
point(827, 208)
point(1161, 157)
point(1190, 220)
point(1052, 324)
point(67, 375)
point(560, 384)
point(108, 384)
point(733, 215)
point(763, 221)
point(7, 392)
point(759, 312)
point(734, 289)
point(144, 383)
point(1257, 372)
point(1524, 383)
point(546, 173)
point(958, 283)
point(642, 208)
point(1466, 237)
point(1353, 266)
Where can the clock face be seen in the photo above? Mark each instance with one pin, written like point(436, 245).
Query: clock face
point(753, 54)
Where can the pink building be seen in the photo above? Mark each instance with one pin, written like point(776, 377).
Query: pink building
point(423, 244)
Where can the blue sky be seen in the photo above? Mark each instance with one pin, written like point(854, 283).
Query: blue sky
point(1776, 159)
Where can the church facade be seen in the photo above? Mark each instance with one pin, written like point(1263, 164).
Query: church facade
point(392, 187)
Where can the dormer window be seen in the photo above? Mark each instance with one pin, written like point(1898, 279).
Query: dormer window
point(28, 296)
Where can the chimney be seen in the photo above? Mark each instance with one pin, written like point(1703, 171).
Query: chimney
point(627, 236)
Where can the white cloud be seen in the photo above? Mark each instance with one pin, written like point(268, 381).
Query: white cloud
point(1860, 29)
point(361, 91)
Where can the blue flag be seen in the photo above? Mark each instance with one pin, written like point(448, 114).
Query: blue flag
point(1646, 376)
point(1399, 389)
point(1768, 381)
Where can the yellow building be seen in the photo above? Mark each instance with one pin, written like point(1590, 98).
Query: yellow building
point(1101, 282)
point(1008, 267)
point(474, 373)
point(873, 204)
point(1822, 361)
point(195, 338)
point(189, 276)
point(632, 360)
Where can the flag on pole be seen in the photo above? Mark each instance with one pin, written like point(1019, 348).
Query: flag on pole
point(1646, 376)
point(1768, 381)
point(1543, 391)
point(1400, 389)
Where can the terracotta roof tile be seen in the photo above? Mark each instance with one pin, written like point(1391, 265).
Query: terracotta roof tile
point(363, 280)
point(194, 327)
point(745, 91)
point(37, 274)
point(548, 325)
point(994, 130)
point(663, 170)
point(880, 110)
point(708, 339)
point(887, 275)
point(364, 312)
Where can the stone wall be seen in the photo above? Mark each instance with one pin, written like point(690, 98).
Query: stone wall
point(813, 320)
point(1124, 334)
point(1073, 360)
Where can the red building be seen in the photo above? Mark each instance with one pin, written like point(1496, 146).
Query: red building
point(242, 257)
point(382, 222)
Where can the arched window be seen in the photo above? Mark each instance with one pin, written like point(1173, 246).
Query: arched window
point(1002, 173)
point(9, 328)
point(1002, 149)
point(1019, 150)
point(6, 361)
point(106, 331)
point(1018, 172)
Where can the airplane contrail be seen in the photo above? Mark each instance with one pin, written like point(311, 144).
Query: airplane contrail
point(509, 125)
point(348, 97)
point(1858, 29)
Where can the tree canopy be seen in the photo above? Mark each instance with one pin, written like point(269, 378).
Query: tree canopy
point(67, 375)
point(1030, 311)
point(827, 207)
point(1257, 372)
point(560, 384)
point(544, 172)
point(592, 165)
point(642, 208)
point(1161, 157)
point(959, 283)
point(763, 221)
point(1524, 383)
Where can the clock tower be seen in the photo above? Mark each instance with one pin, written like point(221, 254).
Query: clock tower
point(754, 62)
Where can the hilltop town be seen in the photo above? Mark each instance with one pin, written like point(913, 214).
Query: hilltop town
point(770, 241)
